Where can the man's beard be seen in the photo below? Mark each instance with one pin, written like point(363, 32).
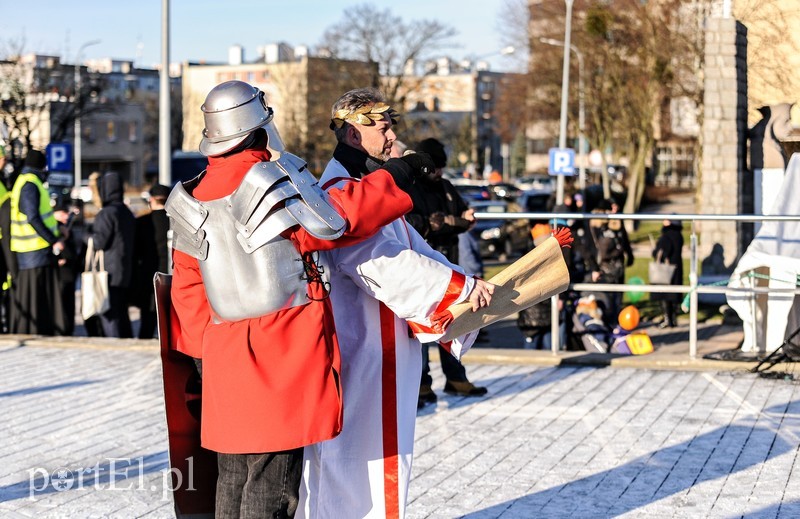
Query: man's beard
point(381, 154)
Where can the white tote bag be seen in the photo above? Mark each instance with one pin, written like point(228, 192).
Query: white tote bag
point(94, 284)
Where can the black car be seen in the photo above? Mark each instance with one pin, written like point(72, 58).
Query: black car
point(504, 191)
point(504, 237)
point(472, 192)
point(536, 201)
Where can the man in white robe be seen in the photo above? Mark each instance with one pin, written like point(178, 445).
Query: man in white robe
point(381, 289)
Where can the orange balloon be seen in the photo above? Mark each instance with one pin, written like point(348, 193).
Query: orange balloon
point(629, 317)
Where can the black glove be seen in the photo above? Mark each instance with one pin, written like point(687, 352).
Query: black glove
point(421, 163)
point(406, 169)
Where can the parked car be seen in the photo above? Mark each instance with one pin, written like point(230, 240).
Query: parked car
point(536, 201)
point(472, 192)
point(504, 191)
point(501, 238)
point(542, 182)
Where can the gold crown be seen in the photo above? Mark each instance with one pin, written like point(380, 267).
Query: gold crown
point(366, 115)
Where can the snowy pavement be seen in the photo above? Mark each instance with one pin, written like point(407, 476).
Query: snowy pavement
point(83, 435)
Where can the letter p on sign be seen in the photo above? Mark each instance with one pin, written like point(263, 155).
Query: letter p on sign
point(562, 161)
point(59, 156)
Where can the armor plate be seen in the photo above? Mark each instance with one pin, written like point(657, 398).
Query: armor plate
point(248, 269)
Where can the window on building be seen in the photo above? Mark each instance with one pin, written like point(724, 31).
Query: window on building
point(675, 165)
point(111, 131)
point(133, 131)
point(87, 131)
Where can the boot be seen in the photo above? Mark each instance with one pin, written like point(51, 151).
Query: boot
point(426, 396)
point(466, 388)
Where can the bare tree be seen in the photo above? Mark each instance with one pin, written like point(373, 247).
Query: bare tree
point(512, 27)
point(639, 57)
point(29, 92)
point(368, 34)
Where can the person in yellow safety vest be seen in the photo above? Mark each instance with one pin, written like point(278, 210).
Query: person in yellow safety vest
point(35, 302)
point(7, 261)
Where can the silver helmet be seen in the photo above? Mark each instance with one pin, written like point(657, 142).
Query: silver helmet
point(232, 111)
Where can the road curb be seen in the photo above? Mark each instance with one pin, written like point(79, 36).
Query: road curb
point(498, 356)
point(92, 343)
point(588, 359)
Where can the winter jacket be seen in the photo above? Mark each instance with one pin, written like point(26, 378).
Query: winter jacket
point(670, 245)
point(438, 196)
point(113, 231)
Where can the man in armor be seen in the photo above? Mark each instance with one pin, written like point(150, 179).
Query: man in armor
point(385, 290)
point(251, 300)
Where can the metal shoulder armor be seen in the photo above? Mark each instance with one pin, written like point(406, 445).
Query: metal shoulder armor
point(187, 216)
point(256, 203)
point(237, 239)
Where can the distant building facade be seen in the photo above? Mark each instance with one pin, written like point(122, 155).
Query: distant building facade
point(300, 90)
point(459, 105)
point(119, 120)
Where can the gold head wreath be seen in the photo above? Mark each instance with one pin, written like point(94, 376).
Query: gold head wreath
point(366, 115)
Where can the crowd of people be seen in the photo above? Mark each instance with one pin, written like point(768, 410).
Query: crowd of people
point(44, 241)
point(600, 253)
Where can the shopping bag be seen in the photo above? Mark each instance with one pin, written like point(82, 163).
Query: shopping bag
point(660, 273)
point(94, 284)
point(636, 343)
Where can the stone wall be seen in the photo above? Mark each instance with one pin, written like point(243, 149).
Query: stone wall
point(726, 187)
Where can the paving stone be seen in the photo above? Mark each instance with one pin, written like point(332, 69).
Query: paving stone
point(545, 442)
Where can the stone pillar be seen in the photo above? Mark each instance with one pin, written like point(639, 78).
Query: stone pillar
point(726, 187)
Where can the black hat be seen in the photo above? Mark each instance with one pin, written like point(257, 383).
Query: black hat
point(35, 160)
point(605, 204)
point(435, 149)
point(61, 204)
point(159, 191)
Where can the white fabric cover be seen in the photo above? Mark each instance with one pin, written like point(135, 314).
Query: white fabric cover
point(776, 246)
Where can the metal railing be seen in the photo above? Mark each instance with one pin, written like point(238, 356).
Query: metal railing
point(693, 288)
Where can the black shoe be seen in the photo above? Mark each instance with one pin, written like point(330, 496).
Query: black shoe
point(466, 388)
point(426, 396)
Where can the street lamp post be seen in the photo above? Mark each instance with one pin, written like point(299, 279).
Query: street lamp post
point(581, 112)
point(562, 129)
point(164, 121)
point(555, 340)
point(78, 109)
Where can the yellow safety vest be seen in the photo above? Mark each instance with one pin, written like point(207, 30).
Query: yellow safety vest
point(4, 195)
point(23, 236)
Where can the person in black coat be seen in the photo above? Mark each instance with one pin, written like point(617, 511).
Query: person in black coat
point(610, 252)
point(70, 261)
point(151, 255)
point(113, 233)
point(440, 215)
point(668, 250)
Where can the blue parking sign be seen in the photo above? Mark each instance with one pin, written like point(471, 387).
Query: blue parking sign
point(562, 161)
point(59, 156)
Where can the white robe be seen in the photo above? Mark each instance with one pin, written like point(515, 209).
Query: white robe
point(376, 286)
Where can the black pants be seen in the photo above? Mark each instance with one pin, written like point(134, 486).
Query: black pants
point(147, 323)
point(68, 304)
point(259, 485)
point(670, 313)
point(452, 369)
point(116, 322)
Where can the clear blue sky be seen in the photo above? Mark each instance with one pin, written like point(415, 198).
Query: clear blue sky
point(204, 29)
